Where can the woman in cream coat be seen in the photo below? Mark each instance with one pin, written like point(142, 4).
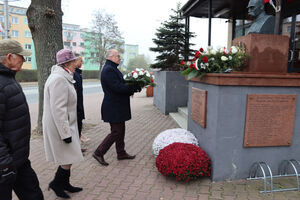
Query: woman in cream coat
point(61, 139)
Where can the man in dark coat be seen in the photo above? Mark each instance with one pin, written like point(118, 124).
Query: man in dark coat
point(16, 172)
point(115, 107)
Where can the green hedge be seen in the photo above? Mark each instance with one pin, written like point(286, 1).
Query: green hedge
point(28, 75)
point(90, 74)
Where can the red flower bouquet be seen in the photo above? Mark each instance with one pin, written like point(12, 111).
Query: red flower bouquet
point(183, 161)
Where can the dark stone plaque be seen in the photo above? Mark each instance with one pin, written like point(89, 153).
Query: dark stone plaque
point(198, 110)
point(269, 120)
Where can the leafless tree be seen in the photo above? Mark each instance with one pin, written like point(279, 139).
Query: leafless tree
point(105, 35)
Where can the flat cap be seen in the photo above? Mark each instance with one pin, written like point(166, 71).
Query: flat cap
point(12, 46)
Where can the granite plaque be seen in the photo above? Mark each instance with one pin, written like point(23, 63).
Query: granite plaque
point(269, 120)
point(198, 110)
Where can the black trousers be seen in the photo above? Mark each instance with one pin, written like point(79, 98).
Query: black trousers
point(26, 186)
point(117, 136)
point(79, 123)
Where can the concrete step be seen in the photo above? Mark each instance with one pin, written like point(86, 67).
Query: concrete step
point(180, 117)
point(183, 111)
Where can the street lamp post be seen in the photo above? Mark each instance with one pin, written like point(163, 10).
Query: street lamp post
point(6, 18)
point(6, 28)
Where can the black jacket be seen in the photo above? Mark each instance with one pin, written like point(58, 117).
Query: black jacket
point(14, 121)
point(116, 103)
point(78, 86)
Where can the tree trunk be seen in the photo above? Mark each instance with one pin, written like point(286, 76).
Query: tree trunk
point(45, 23)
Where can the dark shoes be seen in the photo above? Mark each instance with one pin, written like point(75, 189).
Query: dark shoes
point(126, 156)
point(100, 159)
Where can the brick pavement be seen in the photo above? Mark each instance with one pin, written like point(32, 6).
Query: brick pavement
point(137, 179)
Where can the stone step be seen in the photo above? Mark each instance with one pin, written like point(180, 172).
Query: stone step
point(183, 111)
point(180, 117)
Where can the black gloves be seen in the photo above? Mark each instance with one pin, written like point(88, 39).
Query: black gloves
point(7, 175)
point(68, 140)
point(137, 88)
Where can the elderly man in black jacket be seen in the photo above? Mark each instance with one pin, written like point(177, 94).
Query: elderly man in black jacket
point(115, 107)
point(16, 172)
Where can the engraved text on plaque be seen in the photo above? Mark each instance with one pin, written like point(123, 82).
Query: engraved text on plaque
point(269, 120)
point(198, 110)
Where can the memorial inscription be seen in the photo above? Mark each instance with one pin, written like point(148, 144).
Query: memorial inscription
point(269, 120)
point(198, 109)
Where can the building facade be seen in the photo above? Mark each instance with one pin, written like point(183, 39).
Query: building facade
point(19, 31)
point(131, 51)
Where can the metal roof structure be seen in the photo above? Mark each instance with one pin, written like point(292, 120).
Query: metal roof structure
point(232, 9)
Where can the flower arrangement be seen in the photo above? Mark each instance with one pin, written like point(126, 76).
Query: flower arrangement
point(170, 136)
point(183, 161)
point(220, 60)
point(140, 77)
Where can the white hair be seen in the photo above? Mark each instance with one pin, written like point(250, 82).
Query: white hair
point(110, 53)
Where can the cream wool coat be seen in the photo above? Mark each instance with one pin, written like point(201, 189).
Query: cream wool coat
point(60, 118)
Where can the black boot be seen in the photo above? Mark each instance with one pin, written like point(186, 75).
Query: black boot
point(57, 184)
point(67, 185)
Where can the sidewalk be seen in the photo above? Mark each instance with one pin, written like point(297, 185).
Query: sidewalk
point(137, 179)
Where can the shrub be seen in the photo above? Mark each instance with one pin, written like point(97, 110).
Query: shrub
point(183, 161)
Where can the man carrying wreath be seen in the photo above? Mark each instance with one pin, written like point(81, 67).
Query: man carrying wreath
point(115, 107)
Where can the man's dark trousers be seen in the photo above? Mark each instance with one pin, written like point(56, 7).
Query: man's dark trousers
point(117, 135)
point(26, 185)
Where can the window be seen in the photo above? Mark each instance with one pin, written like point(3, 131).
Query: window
point(15, 33)
point(74, 43)
point(81, 44)
point(288, 29)
point(67, 44)
point(28, 59)
point(27, 34)
point(28, 46)
point(1, 18)
point(14, 20)
point(25, 20)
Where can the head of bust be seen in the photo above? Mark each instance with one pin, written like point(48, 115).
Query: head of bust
point(255, 8)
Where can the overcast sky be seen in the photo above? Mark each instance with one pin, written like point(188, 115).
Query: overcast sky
point(138, 20)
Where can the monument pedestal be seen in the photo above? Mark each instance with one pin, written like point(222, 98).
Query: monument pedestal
point(268, 53)
point(250, 117)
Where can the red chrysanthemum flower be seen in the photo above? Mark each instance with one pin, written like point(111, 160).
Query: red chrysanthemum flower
point(183, 161)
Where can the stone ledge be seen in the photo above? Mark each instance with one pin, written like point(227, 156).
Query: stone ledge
point(251, 79)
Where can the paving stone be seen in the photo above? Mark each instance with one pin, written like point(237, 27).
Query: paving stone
point(137, 179)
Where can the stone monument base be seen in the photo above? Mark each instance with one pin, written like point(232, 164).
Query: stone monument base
point(268, 53)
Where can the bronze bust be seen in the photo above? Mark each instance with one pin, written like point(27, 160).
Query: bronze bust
point(262, 22)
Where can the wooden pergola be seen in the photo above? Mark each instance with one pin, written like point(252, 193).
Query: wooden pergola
point(237, 10)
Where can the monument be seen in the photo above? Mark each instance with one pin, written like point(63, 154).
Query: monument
point(262, 23)
point(245, 117)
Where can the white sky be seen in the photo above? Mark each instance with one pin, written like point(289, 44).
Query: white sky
point(138, 20)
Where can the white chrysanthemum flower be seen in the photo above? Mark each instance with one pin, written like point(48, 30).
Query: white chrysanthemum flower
point(153, 77)
point(125, 76)
point(170, 136)
point(213, 52)
point(212, 59)
point(135, 75)
point(234, 49)
point(230, 57)
point(224, 58)
point(203, 66)
point(147, 74)
point(137, 69)
point(141, 73)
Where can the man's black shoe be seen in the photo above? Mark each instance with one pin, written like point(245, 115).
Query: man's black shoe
point(100, 159)
point(126, 156)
